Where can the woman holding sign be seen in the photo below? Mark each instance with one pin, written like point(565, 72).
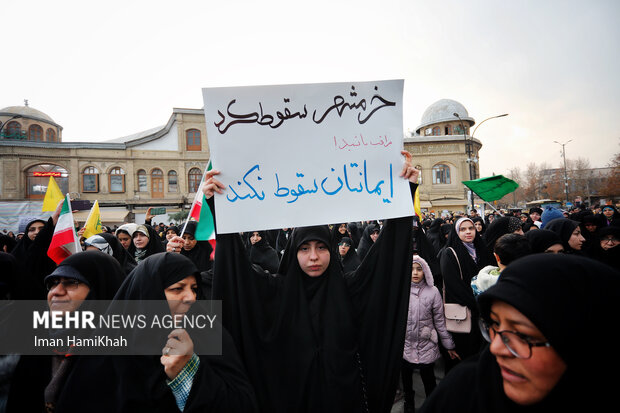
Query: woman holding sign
point(311, 339)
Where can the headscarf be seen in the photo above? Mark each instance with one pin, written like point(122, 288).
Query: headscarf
point(558, 292)
point(98, 242)
point(127, 228)
point(108, 243)
point(471, 249)
point(138, 383)
point(542, 239)
point(500, 226)
point(35, 381)
point(564, 227)
point(263, 254)
point(563, 296)
point(479, 219)
point(351, 260)
point(366, 242)
point(200, 255)
point(153, 247)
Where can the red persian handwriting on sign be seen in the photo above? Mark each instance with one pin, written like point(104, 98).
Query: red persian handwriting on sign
point(55, 174)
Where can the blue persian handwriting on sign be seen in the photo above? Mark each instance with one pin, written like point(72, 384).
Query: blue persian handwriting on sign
point(309, 154)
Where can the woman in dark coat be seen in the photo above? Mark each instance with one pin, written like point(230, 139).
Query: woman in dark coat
point(570, 234)
point(311, 339)
point(199, 252)
point(607, 247)
point(367, 239)
point(434, 234)
point(349, 260)
point(261, 253)
point(463, 257)
point(39, 381)
point(536, 305)
point(140, 383)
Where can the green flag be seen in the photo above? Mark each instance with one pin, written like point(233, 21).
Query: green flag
point(492, 188)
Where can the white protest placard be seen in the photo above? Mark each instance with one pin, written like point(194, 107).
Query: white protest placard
point(307, 154)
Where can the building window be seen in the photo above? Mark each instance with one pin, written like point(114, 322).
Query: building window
point(194, 176)
point(35, 133)
point(448, 130)
point(117, 180)
point(173, 181)
point(38, 177)
point(193, 140)
point(50, 135)
point(157, 183)
point(436, 131)
point(142, 187)
point(441, 174)
point(13, 130)
point(458, 130)
point(90, 179)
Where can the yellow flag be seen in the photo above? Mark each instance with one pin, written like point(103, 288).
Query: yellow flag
point(416, 203)
point(93, 222)
point(53, 196)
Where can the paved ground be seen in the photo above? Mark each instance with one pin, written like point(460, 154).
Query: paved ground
point(418, 387)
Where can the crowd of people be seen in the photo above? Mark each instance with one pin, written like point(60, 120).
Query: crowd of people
point(335, 318)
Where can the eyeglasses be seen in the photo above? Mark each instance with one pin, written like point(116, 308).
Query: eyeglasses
point(612, 240)
point(68, 285)
point(518, 344)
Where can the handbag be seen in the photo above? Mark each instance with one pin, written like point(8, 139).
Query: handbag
point(458, 317)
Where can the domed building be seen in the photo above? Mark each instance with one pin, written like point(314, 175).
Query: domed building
point(160, 167)
point(446, 154)
point(27, 123)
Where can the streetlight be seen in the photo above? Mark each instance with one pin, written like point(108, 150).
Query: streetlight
point(468, 151)
point(7, 121)
point(492, 117)
point(565, 174)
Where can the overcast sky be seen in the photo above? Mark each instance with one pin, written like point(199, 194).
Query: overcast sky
point(104, 70)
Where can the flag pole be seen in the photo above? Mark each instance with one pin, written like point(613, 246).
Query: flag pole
point(198, 194)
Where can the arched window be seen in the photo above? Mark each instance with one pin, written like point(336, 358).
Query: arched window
point(441, 174)
point(173, 181)
point(142, 187)
point(436, 131)
point(448, 130)
point(50, 135)
point(35, 133)
point(13, 130)
point(194, 176)
point(157, 183)
point(38, 177)
point(117, 180)
point(193, 140)
point(90, 179)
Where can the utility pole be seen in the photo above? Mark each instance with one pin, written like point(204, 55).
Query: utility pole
point(565, 172)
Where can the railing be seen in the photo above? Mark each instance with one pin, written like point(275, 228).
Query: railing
point(21, 135)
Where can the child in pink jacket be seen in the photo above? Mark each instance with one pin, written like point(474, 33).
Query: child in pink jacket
point(426, 325)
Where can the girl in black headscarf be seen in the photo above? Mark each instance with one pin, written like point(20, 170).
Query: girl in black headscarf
point(543, 240)
point(311, 339)
point(570, 234)
point(145, 242)
point(463, 257)
point(109, 244)
point(367, 241)
point(535, 317)
point(479, 224)
point(140, 383)
point(348, 257)
point(200, 252)
point(500, 226)
point(40, 381)
point(261, 253)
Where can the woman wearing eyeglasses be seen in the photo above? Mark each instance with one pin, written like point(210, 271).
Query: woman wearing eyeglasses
point(546, 321)
point(38, 383)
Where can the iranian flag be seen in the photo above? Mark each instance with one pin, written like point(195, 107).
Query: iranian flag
point(200, 212)
point(65, 241)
